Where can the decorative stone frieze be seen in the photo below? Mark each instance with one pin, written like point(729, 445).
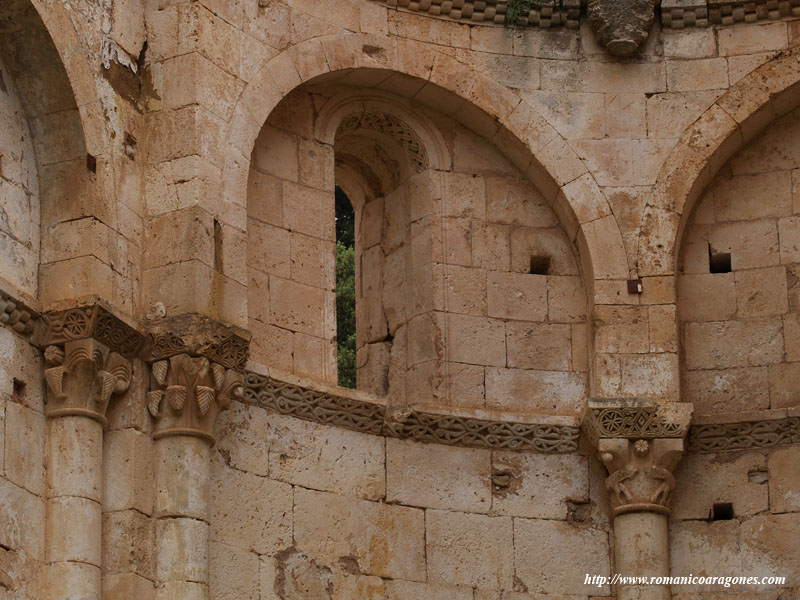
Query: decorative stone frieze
point(768, 433)
point(189, 392)
point(370, 417)
point(543, 15)
point(16, 315)
point(82, 376)
point(392, 127)
point(677, 14)
point(621, 26)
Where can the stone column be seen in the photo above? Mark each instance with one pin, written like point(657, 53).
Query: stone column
point(640, 442)
point(81, 378)
point(187, 395)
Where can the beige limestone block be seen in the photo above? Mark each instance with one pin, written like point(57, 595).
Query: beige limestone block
point(385, 540)
point(181, 550)
point(275, 153)
point(347, 585)
point(182, 476)
point(704, 549)
point(727, 390)
point(308, 211)
point(689, 43)
point(316, 164)
point(693, 75)
point(752, 38)
point(566, 300)
point(517, 202)
point(128, 543)
point(315, 358)
point(719, 345)
point(709, 478)
point(395, 219)
point(271, 345)
point(127, 585)
point(239, 500)
point(624, 162)
point(313, 261)
point(735, 197)
point(706, 296)
point(491, 246)
point(535, 392)
point(603, 77)
point(73, 530)
point(241, 440)
point(539, 346)
point(751, 244)
point(24, 447)
point(769, 545)
point(761, 292)
point(325, 457)
point(789, 232)
point(469, 549)
point(181, 590)
point(632, 375)
point(72, 580)
point(129, 410)
point(580, 347)
point(458, 241)
point(268, 249)
point(464, 196)
point(626, 115)
point(127, 470)
point(621, 329)
point(465, 385)
point(465, 290)
point(264, 198)
point(403, 590)
point(298, 307)
point(233, 573)
point(538, 546)
point(784, 480)
point(540, 484)
point(436, 476)
point(476, 340)
point(784, 385)
point(22, 520)
point(791, 333)
point(663, 328)
point(517, 296)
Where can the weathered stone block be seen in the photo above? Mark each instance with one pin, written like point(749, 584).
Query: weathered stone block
point(469, 549)
point(517, 296)
point(127, 471)
point(128, 541)
point(476, 340)
point(784, 480)
point(233, 572)
point(436, 476)
point(538, 346)
point(536, 392)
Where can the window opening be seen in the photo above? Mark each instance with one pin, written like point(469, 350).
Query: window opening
point(722, 511)
point(718, 262)
point(345, 290)
point(540, 265)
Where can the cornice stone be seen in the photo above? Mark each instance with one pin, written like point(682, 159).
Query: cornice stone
point(16, 315)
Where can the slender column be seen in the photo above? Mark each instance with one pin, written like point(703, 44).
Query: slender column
point(640, 443)
point(187, 395)
point(81, 378)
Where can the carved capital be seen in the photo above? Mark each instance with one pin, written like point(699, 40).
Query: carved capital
point(621, 27)
point(188, 393)
point(82, 375)
point(640, 442)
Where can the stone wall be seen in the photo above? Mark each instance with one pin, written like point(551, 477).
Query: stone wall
point(738, 289)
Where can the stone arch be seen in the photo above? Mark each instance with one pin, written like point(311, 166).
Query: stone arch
point(725, 127)
point(489, 109)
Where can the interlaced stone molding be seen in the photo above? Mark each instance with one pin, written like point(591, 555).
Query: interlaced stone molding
point(640, 442)
point(16, 315)
point(744, 435)
point(81, 376)
point(368, 417)
point(189, 392)
point(395, 128)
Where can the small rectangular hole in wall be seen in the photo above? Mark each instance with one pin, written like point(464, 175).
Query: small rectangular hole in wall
point(540, 265)
point(719, 262)
point(18, 393)
point(3, 83)
point(722, 511)
point(91, 163)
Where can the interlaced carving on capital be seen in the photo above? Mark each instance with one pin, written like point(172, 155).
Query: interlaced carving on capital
point(640, 472)
point(188, 393)
point(81, 378)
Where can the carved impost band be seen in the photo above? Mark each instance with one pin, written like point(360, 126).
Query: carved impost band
point(640, 442)
point(81, 377)
point(188, 392)
point(16, 315)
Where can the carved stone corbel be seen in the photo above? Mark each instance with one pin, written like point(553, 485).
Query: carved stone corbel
point(188, 393)
point(621, 27)
point(81, 377)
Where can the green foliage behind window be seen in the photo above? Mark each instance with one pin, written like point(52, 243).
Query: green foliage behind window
point(345, 290)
